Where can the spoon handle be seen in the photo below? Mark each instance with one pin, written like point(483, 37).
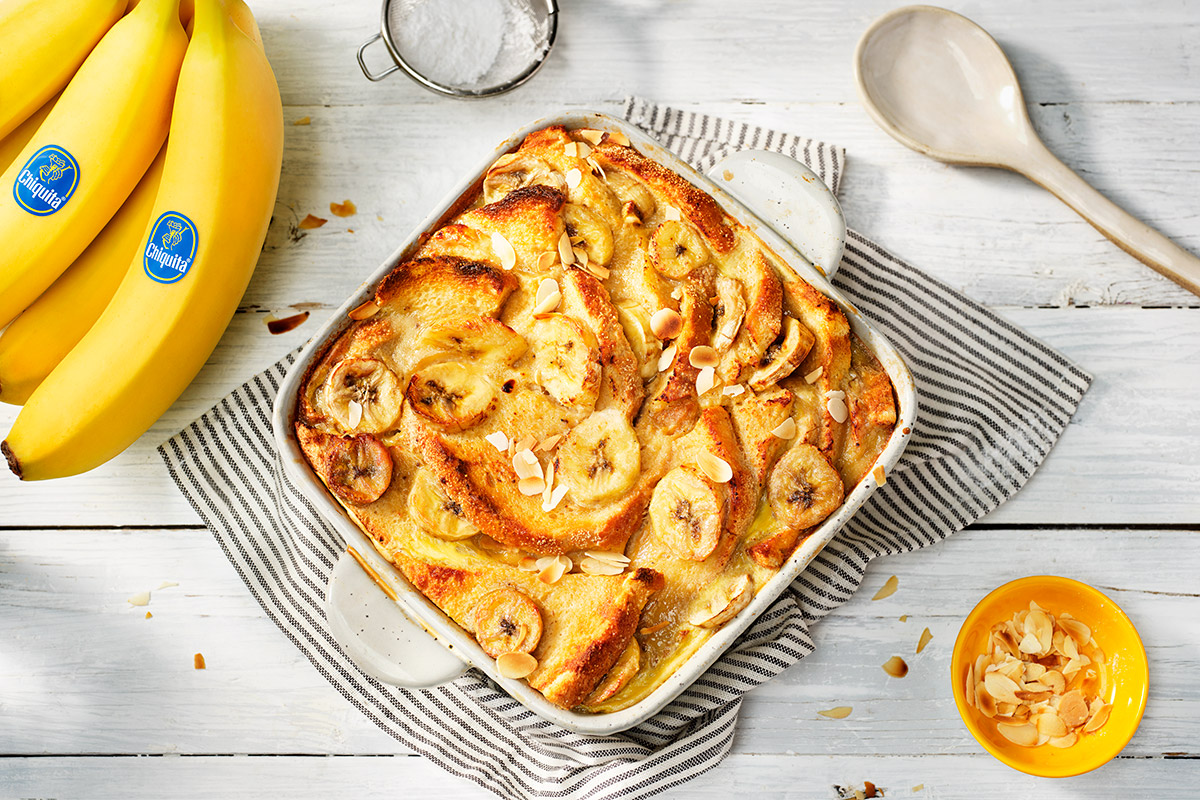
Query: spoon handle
point(1126, 231)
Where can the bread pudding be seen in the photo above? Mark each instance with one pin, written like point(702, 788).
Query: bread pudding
point(590, 415)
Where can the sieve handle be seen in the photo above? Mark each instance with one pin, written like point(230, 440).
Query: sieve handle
point(363, 64)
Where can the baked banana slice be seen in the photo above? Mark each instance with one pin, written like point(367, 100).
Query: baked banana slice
point(475, 339)
point(726, 604)
point(677, 249)
point(435, 512)
point(803, 488)
point(620, 674)
point(783, 356)
point(599, 459)
point(566, 363)
point(646, 347)
point(358, 469)
point(587, 230)
point(516, 171)
point(452, 395)
point(729, 312)
point(629, 190)
point(507, 621)
point(687, 513)
point(363, 395)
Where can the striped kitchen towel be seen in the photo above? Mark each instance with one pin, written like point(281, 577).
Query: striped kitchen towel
point(993, 401)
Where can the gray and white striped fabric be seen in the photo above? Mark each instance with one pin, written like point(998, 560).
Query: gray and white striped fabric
point(993, 402)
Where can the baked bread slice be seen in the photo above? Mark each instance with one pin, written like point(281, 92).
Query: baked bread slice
point(591, 415)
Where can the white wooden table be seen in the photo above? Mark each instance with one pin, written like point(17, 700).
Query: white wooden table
point(97, 701)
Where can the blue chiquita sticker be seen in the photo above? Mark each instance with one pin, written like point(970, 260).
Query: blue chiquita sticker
point(47, 181)
point(171, 249)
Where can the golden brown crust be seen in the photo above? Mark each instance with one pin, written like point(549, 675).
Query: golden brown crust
point(444, 286)
point(586, 299)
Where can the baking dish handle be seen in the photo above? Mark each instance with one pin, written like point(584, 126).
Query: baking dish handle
point(789, 197)
point(375, 633)
point(362, 63)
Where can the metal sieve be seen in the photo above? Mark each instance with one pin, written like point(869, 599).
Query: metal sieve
point(502, 76)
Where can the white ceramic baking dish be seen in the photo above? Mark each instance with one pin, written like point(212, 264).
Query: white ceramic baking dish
point(410, 642)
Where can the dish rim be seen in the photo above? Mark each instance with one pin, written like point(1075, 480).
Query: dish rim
point(429, 616)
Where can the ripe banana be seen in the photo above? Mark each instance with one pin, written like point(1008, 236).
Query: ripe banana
point(438, 515)
point(44, 42)
point(687, 512)
point(210, 219)
point(600, 458)
point(507, 621)
point(803, 488)
point(12, 144)
point(93, 148)
point(41, 337)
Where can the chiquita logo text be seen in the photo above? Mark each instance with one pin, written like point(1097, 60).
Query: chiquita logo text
point(47, 181)
point(171, 248)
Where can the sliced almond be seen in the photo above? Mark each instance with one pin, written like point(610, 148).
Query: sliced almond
point(590, 134)
point(549, 443)
point(531, 486)
point(666, 323)
point(1030, 645)
point(526, 443)
point(556, 497)
point(671, 213)
point(734, 391)
point(526, 465)
point(546, 260)
point(1001, 687)
point(1073, 709)
point(580, 256)
point(569, 149)
point(546, 287)
point(600, 272)
point(565, 252)
point(574, 177)
point(895, 667)
point(1024, 734)
point(139, 599)
point(926, 636)
point(705, 381)
point(1050, 724)
point(516, 665)
point(888, 589)
point(616, 137)
point(354, 415)
point(498, 440)
point(984, 701)
point(666, 359)
point(970, 685)
point(716, 469)
point(594, 566)
point(1064, 741)
point(1098, 718)
point(548, 492)
point(835, 403)
point(582, 150)
point(547, 304)
point(703, 356)
point(504, 251)
point(786, 430)
point(610, 556)
point(597, 170)
point(840, 712)
point(364, 311)
point(552, 572)
point(1081, 633)
point(811, 377)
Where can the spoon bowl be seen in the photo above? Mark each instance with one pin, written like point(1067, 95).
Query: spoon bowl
point(939, 84)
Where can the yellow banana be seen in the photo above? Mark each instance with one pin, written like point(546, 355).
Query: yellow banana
point(12, 145)
point(45, 332)
point(219, 184)
point(44, 42)
point(91, 151)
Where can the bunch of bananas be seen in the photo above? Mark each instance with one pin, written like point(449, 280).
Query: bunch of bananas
point(124, 258)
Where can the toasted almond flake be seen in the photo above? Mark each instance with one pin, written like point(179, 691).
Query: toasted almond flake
point(811, 377)
point(703, 356)
point(303, 121)
point(545, 561)
point(839, 712)
point(1001, 687)
point(526, 443)
point(1023, 734)
point(498, 440)
point(1098, 718)
point(569, 149)
point(600, 272)
point(581, 257)
point(919, 787)
point(516, 665)
point(1081, 633)
point(888, 589)
point(355, 416)
point(546, 260)
point(666, 323)
point(504, 251)
point(970, 685)
point(671, 213)
point(526, 465)
point(734, 391)
point(598, 170)
point(785, 429)
point(582, 150)
point(549, 443)
point(167, 584)
point(590, 134)
point(548, 491)
point(903, 617)
point(654, 628)
point(565, 252)
point(556, 496)
point(531, 486)
point(717, 469)
point(364, 311)
point(574, 177)
point(608, 555)
point(666, 359)
point(895, 667)
point(344, 209)
point(880, 475)
point(552, 573)
point(139, 599)
point(1065, 741)
point(527, 564)
point(148, 615)
point(1030, 645)
point(705, 381)
point(547, 287)
point(547, 304)
point(1073, 709)
point(924, 640)
point(835, 403)
point(594, 566)
point(1050, 725)
point(616, 137)
point(198, 661)
point(311, 223)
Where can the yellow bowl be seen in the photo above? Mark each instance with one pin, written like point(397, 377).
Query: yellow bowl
point(1113, 633)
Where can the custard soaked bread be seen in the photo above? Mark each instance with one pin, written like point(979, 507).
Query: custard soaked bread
point(591, 416)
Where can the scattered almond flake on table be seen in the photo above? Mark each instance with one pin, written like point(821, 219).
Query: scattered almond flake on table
point(888, 589)
point(310, 222)
point(167, 584)
point(919, 787)
point(303, 121)
point(839, 712)
point(924, 640)
point(198, 661)
point(904, 617)
point(896, 667)
point(139, 599)
point(148, 615)
point(286, 324)
point(346, 208)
